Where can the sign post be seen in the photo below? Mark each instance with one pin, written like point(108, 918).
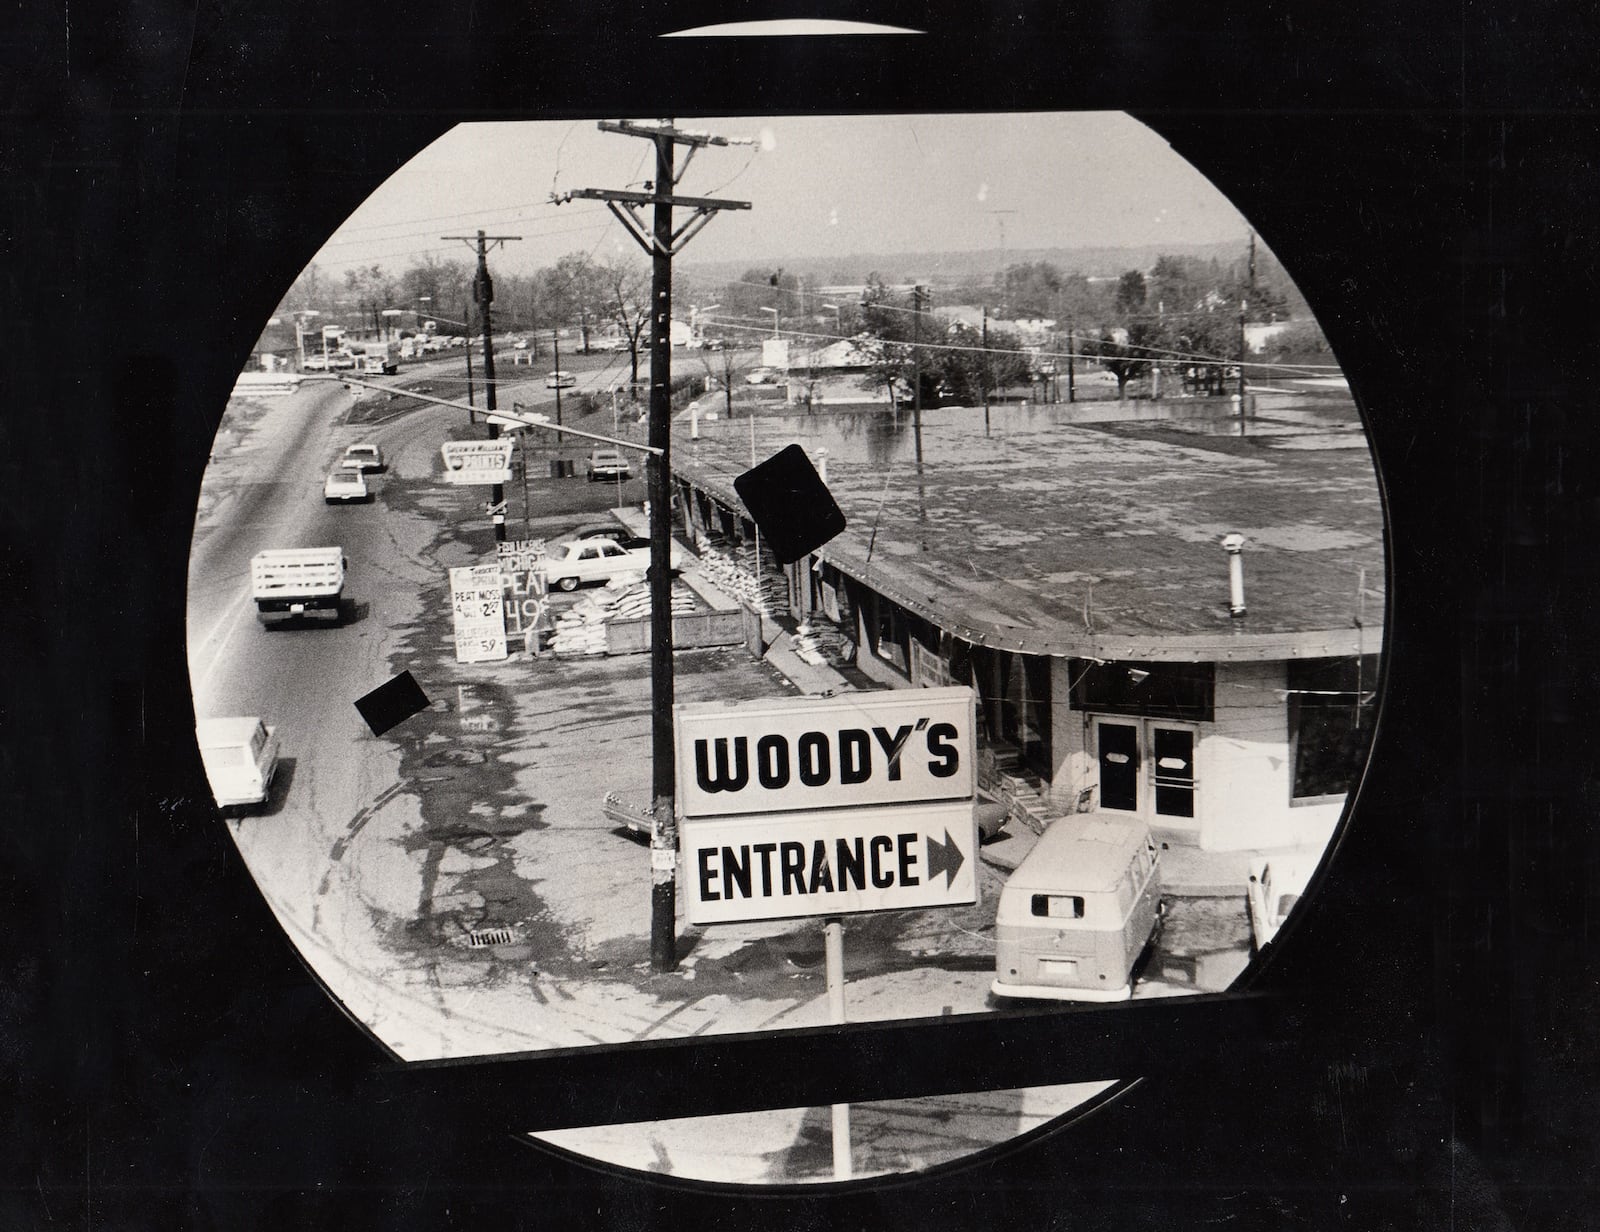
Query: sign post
point(827, 807)
point(833, 952)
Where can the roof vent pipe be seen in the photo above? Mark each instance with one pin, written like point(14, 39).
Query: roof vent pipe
point(1233, 545)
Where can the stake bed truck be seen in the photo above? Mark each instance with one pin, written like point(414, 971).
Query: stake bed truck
point(287, 583)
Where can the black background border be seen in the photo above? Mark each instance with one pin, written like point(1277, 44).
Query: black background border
point(1423, 1052)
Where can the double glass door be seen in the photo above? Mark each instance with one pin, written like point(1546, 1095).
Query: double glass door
point(1146, 766)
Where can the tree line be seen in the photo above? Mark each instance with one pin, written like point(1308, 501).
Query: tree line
point(1185, 315)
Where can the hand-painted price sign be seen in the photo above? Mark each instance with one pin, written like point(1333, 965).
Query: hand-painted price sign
point(523, 585)
point(478, 613)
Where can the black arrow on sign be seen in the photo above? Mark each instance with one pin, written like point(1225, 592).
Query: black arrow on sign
point(944, 858)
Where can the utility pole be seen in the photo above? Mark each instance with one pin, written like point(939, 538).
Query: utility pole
point(917, 293)
point(661, 242)
point(555, 346)
point(1161, 335)
point(1000, 217)
point(1242, 307)
point(483, 292)
point(1072, 384)
point(983, 372)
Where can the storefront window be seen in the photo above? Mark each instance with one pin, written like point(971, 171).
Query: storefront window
point(1331, 703)
point(1146, 690)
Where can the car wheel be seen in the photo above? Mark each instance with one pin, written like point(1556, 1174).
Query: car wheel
point(568, 583)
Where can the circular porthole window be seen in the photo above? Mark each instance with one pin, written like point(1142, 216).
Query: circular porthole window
point(961, 593)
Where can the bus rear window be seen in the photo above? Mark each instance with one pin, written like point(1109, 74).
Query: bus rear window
point(1058, 906)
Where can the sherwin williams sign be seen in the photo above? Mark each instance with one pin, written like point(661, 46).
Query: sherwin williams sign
point(899, 746)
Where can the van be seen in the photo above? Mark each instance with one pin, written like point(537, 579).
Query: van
point(1078, 911)
point(240, 756)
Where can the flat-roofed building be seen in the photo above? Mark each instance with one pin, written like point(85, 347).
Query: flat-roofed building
point(1070, 566)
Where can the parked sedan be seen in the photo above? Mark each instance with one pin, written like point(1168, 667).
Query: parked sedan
point(607, 464)
point(344, 486)
point(614, 531)
point(600, 560)
point(763, 376)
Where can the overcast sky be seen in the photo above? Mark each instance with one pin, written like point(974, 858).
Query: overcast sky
point(817, 185)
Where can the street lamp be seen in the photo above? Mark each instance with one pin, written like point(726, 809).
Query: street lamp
point(694, 318)
point(774, 313)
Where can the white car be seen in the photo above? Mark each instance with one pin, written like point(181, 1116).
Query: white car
point(1275, 886)
point(600, 560)
point(560, 380)
point(763, 376)
point(240, 756)
point(344, 486)
point(362, 457)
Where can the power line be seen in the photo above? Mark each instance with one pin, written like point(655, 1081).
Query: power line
point(1040, 352)
point(383, 239)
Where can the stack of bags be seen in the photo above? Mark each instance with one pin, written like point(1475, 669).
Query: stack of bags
point(821, 644)
point(634, 602)
point(581, 629)
point(734, 573)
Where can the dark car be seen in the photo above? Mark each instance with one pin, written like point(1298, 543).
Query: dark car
point(614, 531)
point(608, 464)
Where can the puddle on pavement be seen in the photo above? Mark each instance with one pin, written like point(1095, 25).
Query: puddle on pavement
point(471, 815)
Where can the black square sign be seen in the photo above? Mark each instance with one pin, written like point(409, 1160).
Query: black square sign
point(791, 505)
point(392, 703)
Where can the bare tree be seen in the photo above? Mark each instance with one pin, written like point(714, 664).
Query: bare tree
point(720, 367)
point(576, 286)
point(627, 286)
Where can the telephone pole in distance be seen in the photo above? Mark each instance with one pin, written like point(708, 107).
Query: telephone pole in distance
point(483, 292)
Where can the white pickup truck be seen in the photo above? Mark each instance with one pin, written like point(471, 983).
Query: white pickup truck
point(294, 583)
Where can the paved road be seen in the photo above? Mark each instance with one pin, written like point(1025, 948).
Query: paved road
point(384, 857)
